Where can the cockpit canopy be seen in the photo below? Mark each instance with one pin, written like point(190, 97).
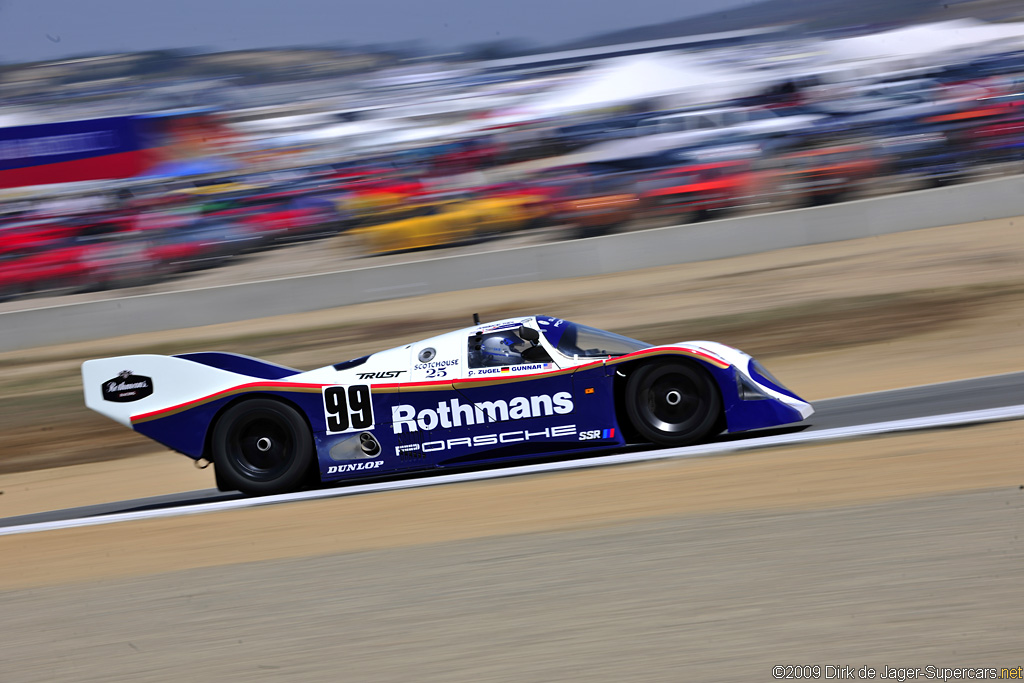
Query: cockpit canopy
point(573, 339)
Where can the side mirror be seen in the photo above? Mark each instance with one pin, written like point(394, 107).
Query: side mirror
point(528, 333)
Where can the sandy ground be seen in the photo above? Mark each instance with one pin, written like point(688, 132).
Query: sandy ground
point(932, 581)
point(800, 478)
point(899, 551)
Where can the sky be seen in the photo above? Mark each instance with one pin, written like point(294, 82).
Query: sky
point(32, 30)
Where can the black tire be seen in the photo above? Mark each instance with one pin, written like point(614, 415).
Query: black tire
point(673, 403)
point(261, 447)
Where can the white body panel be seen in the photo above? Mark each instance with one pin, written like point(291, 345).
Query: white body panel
point(175, 381)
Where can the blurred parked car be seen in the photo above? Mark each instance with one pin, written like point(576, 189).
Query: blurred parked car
point(447, 220)
point(281, 217)
point(707, 124)
point(825, 173)
point(205, 244)
point(597, 204)
point(422, 226)
point(696, 191)
point(926, 155)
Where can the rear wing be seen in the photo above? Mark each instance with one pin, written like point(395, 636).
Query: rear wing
point(127, 386)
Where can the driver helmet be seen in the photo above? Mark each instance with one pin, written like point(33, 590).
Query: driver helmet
point(499, 349)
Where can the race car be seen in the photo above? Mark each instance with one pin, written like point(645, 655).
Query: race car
point(530, 387)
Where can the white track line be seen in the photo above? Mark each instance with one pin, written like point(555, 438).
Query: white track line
point(917, 423)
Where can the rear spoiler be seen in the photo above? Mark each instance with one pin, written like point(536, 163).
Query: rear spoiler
point(126, 386)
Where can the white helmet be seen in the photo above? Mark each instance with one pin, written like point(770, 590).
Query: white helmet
point(499, 349)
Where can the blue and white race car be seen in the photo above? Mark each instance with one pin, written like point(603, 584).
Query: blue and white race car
point(517, 388)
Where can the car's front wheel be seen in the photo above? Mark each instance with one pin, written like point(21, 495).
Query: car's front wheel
point(673, 403)
point(261, 447)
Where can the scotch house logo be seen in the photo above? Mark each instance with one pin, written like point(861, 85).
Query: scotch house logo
point(127, 387)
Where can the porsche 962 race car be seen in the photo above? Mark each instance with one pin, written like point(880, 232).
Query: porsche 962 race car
point(512, 389)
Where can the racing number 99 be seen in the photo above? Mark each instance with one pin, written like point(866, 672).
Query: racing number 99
point(348, 408)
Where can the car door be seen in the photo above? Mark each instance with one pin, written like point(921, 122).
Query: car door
point(523, 406)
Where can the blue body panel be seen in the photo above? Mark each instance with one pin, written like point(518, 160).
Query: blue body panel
point(186, 431)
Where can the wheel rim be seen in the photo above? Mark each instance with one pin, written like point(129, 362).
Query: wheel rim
point(673, 402)
point(262, 446)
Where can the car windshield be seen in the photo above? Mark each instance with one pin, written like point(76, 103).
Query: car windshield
point(572, 339)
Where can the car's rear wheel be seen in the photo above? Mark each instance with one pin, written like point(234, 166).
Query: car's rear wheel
point(261, 447)
point(672, 403)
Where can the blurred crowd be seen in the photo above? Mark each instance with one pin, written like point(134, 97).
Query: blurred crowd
point(800, 141)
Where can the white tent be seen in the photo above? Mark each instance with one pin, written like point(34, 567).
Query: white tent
point(920, 43)
point(643, 77)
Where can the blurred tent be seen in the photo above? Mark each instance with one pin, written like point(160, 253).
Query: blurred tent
point(920, 44)
point(283, 123)
point(337, 132)
point(678, 78)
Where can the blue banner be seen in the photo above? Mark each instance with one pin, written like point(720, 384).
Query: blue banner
point(55, 143)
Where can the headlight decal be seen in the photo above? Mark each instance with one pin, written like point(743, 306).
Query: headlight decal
point(747, 390)
point(762, 376)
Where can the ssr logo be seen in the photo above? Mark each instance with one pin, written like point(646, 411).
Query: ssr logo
point(385, 374)
point(596, 434)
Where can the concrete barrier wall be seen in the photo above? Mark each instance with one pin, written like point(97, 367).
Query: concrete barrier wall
point(987, 200)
